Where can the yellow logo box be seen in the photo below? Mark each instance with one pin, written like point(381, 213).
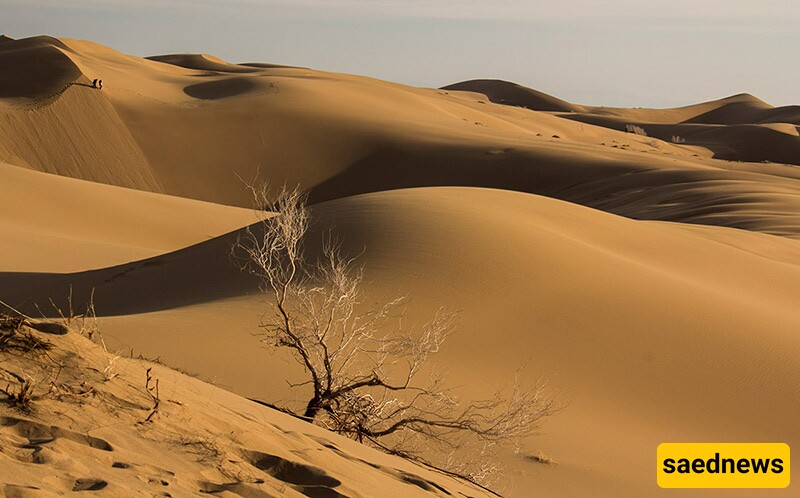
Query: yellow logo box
point(723, 465)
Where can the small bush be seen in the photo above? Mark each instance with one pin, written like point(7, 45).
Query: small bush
point(14, 336)
point(22, 397)
point(636, 130)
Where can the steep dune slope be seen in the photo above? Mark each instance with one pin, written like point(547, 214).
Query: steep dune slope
point(56, 224)
point(78, 135)
point(52, 120)
point(654, 331)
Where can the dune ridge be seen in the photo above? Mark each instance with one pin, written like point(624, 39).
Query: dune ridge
point(506, 92)
point(203, 62)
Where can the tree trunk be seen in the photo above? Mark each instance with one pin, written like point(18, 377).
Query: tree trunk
point(312, 409)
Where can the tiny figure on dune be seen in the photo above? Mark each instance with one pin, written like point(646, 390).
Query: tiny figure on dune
point(96, 83)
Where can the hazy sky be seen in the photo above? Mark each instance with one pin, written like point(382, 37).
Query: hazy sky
point(604, 52)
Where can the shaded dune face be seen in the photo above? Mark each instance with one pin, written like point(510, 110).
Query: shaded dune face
point(739, 199)
point(35, 68)
point(773, 142)
point(220, 89)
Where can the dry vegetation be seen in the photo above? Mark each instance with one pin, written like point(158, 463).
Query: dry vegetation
point(17, 340)
point(57, 393)
point(636, 130)
point(367, 377)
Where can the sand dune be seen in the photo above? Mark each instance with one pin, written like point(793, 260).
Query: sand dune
point(203, 62)
point(57, 224)
point(737, 128)
point(505, 92)
point(743, 106)
point(677, 302)
point(768, 142)
point(752, 110)
point(654, 285)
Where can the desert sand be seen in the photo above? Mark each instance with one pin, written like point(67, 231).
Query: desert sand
point(101, 431)
point(655, 283)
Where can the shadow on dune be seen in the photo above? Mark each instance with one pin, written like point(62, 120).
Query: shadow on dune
point(220, 89)
point(396, 167)
point(737, 128)
point(735, 142)
point(735, 199)
point(35, 67)
point(749, 112)
point(196, 274)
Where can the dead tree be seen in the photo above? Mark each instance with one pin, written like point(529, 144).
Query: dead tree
point(364, 371)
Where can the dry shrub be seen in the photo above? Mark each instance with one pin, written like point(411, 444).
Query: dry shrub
point(15, 336)
point(21, 397)
point(364, 370)
point(636, 130)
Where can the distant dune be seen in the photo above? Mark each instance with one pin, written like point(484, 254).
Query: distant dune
point(737, 128)
point(505, 92)
point(202, 62)
point(653, 278)
point(747, 109)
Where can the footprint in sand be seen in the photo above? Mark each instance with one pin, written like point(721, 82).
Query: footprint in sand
point(89, 484)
